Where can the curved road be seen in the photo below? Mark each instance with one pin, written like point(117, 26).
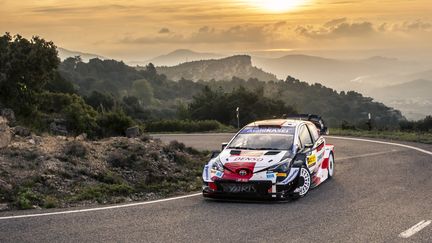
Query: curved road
point(379, 191)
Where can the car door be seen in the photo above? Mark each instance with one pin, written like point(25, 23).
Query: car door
point(306, 138)
point(319, 143)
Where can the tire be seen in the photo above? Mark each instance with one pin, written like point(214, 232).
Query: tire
point(304, 184)
point(331, 166)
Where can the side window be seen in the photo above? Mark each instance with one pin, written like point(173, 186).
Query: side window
point(313, 131)
point(304, 136)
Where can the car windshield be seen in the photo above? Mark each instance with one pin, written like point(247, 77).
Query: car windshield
point(257, 138)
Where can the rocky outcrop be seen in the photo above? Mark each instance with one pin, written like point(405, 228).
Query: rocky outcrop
point(60, 171)
point(9, 115)
point(21, 131)
point(5, 133)
point(58, 127)
point(239, 66)
point(132, 132)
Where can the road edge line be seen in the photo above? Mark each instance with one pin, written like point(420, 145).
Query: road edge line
point(99, 208)
point(190, 195)
point(382, 142)
point(415, 229)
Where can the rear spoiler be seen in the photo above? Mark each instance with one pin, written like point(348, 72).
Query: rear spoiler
point(315, 119)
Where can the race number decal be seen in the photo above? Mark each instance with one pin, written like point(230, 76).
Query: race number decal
point(311, 160)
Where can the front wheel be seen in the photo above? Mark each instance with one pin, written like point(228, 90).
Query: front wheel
point(304, 183)
point(330, 166)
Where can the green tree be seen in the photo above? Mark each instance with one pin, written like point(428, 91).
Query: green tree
point(25, 68)
point(143, 91)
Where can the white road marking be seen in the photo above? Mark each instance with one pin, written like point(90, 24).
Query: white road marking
point(367, 155)
point(186, 196)
point(415, 229)
point(100, 208)
point(382, 142)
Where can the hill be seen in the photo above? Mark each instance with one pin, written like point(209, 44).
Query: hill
point(413, 98)
point(340, 74)
point(64, 53)
point(221, 69)
point(161, 97)
point(181, 56)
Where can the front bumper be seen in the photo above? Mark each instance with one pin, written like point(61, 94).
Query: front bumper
point(261, 190)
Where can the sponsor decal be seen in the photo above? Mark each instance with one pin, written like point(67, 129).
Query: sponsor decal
point(252, 153)
point(281, 174)
point(219, 174)
point(320, 156)
point(206, 174)
point(311, 160)
point(247, 159)
point(269, 130)
point(270, 175)
point(242, 180)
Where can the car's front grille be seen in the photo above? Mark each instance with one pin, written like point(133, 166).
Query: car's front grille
point(253, 187)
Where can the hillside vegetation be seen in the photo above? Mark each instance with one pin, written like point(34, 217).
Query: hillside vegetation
point(220, 69)
point(154, 96)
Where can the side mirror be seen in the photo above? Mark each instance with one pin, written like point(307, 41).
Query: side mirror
point(324, 131)
point(224, 145)
point(214, 154)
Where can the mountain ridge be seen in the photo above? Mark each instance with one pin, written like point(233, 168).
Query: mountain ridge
point(217, 69)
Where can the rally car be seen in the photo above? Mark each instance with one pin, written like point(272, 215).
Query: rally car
point(274, 159)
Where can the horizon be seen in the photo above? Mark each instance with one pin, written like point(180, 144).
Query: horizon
point(141, 30)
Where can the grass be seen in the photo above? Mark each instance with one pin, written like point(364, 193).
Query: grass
point(392, 135)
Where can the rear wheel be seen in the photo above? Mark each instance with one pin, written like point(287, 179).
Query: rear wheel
point(304, 183)
point(330, 166)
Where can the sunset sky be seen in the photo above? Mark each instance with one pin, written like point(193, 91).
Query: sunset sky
point(140, 29)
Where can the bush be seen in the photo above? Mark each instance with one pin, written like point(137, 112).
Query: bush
point(102, 192)
point(114, 123)
point(76, 149)
point(183, 126)
point(26, 199)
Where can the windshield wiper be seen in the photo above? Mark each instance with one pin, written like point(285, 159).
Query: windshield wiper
point(245, 148)
point(268, 149)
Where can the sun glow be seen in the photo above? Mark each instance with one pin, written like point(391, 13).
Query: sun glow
point(277, 5)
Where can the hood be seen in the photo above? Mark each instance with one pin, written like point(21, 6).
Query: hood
point(253, 159)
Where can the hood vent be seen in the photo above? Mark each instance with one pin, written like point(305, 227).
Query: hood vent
point(272, 153)
point(235, 152)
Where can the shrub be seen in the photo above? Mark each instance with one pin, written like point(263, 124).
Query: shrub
point(183, 126)
point(114, 123)
point(76, 149)
point(102, 192)
point(26, 199)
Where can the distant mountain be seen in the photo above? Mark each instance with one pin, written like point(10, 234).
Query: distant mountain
point(419, 88)
point(338, 74)
point(221, 69)
point(413, 98)
point(64, 53)
point(181, 56)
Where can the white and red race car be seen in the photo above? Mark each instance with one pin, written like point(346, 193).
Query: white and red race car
point(279, 159)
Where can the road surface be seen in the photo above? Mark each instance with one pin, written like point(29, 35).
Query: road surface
point(380, 193)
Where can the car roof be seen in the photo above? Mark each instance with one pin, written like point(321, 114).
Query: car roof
point(277, 122)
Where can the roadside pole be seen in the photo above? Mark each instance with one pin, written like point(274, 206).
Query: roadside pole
point(369, 122)
point(238, 117)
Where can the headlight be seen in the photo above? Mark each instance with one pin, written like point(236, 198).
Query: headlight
point(283, 167)
point(217, 165)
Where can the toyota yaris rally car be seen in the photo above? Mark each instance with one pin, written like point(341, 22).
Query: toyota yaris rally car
point(279, 159)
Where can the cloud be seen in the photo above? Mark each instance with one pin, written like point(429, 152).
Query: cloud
point(207, 34)
point(343, 28)
point(337, 28)
point(65, 9)
point(164, 31)
point(409, 26)
point(334, 22)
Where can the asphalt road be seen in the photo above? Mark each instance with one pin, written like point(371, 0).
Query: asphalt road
point(378, 192)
